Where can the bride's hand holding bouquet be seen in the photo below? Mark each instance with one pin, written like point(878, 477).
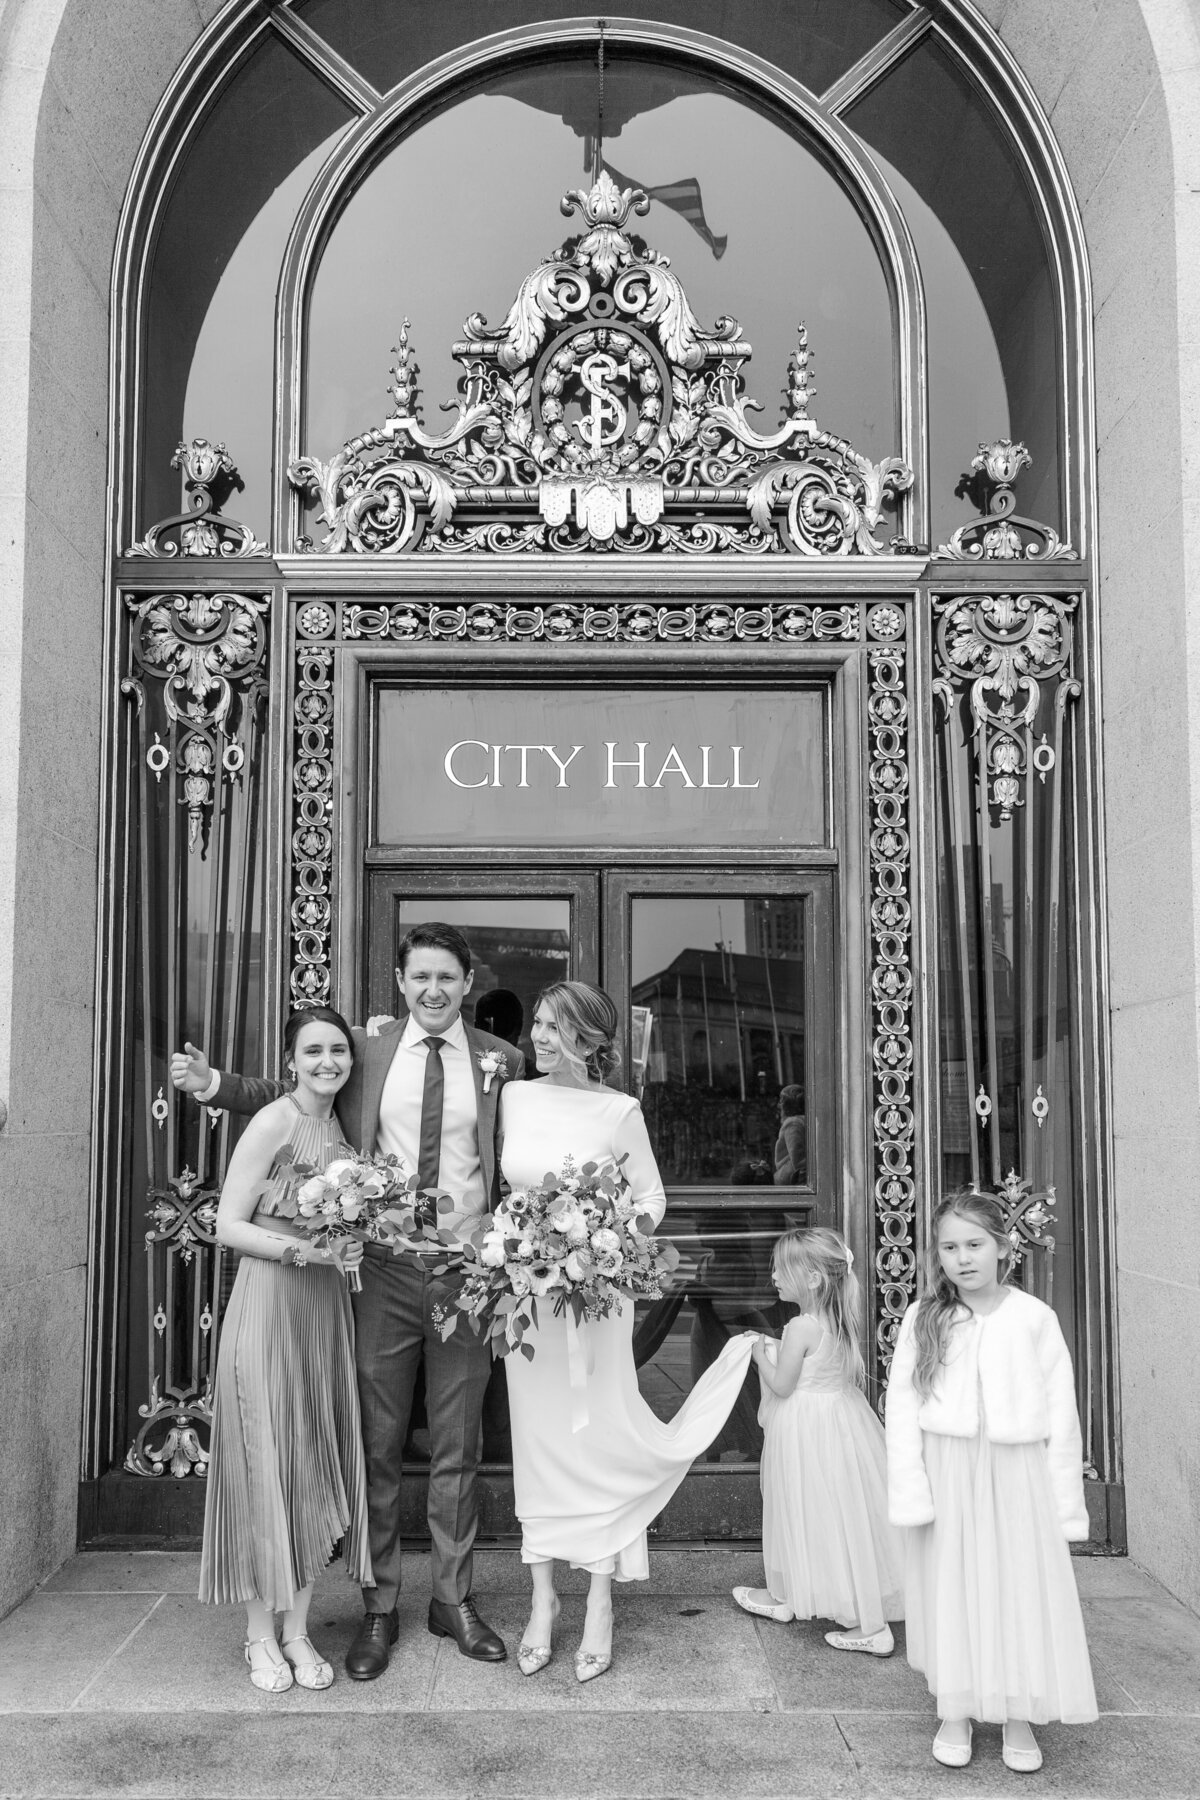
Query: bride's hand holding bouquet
point(576, 1239)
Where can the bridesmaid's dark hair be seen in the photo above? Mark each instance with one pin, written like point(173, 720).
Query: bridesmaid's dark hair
point(587, 1015)
point(312, 1015)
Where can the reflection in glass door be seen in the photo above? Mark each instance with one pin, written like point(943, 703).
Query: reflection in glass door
point(728, 980)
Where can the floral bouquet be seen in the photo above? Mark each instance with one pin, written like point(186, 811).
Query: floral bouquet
point(576, 1239)
point(371, 1199)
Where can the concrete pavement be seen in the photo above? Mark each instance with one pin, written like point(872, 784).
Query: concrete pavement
point(114, 1681)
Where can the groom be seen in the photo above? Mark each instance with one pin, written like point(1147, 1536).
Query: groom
point(420, 1090)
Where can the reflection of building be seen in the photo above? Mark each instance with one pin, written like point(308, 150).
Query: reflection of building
point(775, 926)
point(523, 960)
point(727, 1032)
point(726, 1021)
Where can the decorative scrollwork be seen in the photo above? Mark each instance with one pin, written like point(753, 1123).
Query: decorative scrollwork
point(169, 1441)
point(204, 649)
point(1000, 535)
point(210, 477)
point(1005, 646)
point(602, 406)
point(312, 825)
point(1030, 1221)
point(891, 999)
point(565, 621)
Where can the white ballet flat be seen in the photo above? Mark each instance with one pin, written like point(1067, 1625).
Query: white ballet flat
point(778, 1610)
point(313, 1672)
point(873, 1643)
point(276, 1678)
point(1017, 1758)
point(952, 1755)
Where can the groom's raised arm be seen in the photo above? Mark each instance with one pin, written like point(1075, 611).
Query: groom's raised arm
point(192, 1073)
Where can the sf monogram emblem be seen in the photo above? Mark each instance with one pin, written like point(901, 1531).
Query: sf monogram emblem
point(606, 418)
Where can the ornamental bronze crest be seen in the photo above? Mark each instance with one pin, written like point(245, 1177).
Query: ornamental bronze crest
point(600, 415)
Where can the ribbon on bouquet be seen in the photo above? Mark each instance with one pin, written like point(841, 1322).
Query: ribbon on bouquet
point(580, 1363)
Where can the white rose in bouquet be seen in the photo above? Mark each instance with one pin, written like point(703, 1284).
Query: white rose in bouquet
point(519, 1280)
point(611, 1263)
point(491, 1251)
point(572, 1224)
point(578, 1265)
point(341, 1170)
point(525, 1250)
point(605, 1242)
point(310, 1197)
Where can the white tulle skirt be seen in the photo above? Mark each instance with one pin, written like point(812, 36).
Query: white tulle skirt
point(828, 1549)
point(994, 1622)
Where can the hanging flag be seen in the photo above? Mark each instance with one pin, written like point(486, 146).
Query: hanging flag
point(682, 197)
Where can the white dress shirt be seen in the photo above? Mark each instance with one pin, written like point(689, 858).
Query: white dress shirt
point(400, 1114)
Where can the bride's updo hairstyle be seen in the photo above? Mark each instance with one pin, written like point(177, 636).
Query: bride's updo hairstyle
point(587, 1025)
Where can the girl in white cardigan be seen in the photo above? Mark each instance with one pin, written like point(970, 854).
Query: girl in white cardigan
point(985, 1468)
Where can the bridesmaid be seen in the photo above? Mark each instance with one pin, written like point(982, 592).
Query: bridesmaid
point(286, 1477)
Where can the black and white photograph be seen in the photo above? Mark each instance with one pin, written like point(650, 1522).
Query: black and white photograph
point(599, 900)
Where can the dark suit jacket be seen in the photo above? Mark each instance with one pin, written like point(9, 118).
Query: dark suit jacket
point(357, 1105)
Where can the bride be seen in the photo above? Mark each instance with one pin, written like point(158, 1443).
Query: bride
point(591, 1471)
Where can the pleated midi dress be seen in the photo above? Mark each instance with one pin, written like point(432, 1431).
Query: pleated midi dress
point(592, 1465)
point(286, 1474)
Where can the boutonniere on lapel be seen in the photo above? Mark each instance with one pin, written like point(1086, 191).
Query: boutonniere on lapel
point(493, 1063)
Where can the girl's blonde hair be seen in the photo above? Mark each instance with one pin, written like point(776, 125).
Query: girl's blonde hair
point(819, 1262)
point(940, 1307)
point(587, 1023)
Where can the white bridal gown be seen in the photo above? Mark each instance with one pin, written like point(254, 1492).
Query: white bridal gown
point(586, 1491)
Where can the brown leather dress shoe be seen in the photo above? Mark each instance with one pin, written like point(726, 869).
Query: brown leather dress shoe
point(463, 1622)
point(367, 1656)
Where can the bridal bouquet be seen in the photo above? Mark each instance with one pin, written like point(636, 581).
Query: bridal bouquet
point(575, 1240)
point(373, 1199)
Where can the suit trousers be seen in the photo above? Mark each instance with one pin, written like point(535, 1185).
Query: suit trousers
point(394, 1330)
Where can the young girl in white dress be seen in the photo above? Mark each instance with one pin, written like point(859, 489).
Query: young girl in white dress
point(591, 1469)
point(985, 1469)
point(828, 1550)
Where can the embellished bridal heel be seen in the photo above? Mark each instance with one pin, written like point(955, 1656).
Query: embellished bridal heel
point(532, 1658)
point(276, 1678)
point(588, 1665)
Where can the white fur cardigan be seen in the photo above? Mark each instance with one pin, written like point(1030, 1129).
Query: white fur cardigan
point(1017, 1359)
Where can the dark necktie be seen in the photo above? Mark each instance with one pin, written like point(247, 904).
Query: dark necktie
point(429, 1160)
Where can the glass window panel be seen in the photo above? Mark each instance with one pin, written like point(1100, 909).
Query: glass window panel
point(719, 1035)
point(814, 40)
point(518, 947)
point(932, 125)
point(647, 766)
point(770, 252)
point(968, 397)
point(210, 313)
